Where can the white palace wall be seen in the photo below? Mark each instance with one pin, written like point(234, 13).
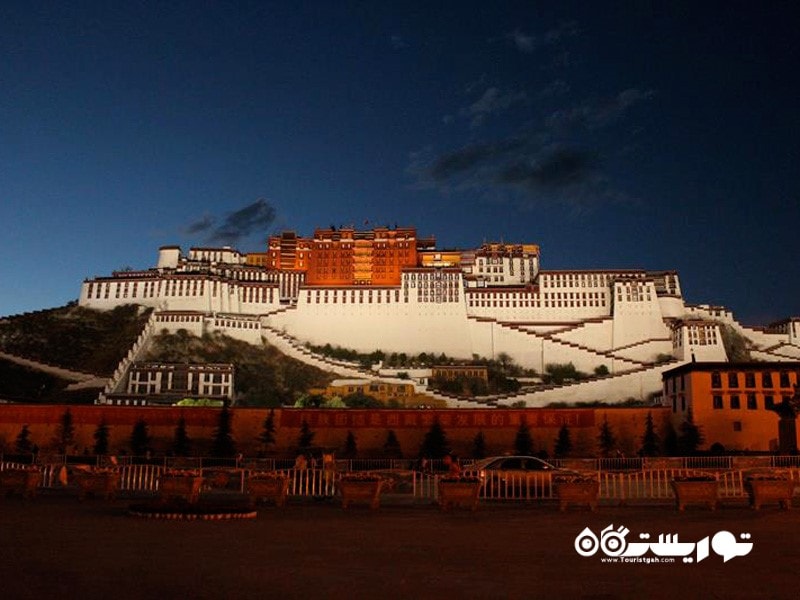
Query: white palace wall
point(620, 319)
point(388, 322)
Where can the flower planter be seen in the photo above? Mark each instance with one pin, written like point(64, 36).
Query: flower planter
point(97, 482)
point(267, 487)
point(187, 487)
point(765, 491)
point(459, 493)
point(576, 492)
point(689, 491)
point(23, 481)
point(361, 490)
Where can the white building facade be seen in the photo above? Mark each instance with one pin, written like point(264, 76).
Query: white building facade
point(635, 323)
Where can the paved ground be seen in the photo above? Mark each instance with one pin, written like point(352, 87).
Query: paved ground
point(57, 547)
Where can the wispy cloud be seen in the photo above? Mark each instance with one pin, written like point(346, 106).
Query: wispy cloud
point(203, 224)
point(595, 114)
point(466, 158)
point(527, 167)
point(492, 101)
point(557, 87)
point(553, 167)
point(236, 225)
point(558, 161)
point(397, 42)
point(529, 42)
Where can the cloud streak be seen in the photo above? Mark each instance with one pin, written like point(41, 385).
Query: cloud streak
point(528, 43)
point(236, 225)
point(594, 115)
point(556, 162)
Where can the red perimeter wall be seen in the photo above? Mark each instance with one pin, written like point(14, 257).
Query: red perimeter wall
point(330, 426)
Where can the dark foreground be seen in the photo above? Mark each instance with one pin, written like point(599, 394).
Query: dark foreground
point(57, 547)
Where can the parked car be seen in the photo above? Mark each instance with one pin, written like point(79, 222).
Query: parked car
point(516, 476)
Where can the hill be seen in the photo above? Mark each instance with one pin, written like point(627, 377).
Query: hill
point(80, 339)
point(264, 376)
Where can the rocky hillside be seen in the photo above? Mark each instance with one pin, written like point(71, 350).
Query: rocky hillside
point(264, 376)
point(76, 338)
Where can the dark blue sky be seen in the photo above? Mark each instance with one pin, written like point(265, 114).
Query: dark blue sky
point(660, 135)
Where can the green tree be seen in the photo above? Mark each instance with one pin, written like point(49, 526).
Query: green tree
point(650, 442)
point(606, 439)
point(434, 444)
point(601, 371)
point(558, 373)
point(223, 445)
point(391, 447)
point(350, 446)
point(563, 443)
point(140, 438)
point(690, 436)
point(267, 437)
point(306, 437)
point(671, 447)
point(65, 433)
point(361, 400)
point(737, 347)
point(23, 444)
point(523, 442)
point(100, 436)
point(181, 444)
point(479, 445)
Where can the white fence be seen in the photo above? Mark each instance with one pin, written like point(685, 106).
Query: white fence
point(621, 487)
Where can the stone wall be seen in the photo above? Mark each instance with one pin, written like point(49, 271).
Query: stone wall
point(331, 426)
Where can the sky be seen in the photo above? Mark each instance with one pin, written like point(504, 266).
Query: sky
point(654, 135)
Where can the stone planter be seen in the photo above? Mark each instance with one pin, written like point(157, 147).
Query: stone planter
point(688, 491)
point(97, 482)
point(459, 493)
point(270, 487)
point(361, 490)
point(23, 481)
point(186, 487)
point(766, 491)
point(576, 492)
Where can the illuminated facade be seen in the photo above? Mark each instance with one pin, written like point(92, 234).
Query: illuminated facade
point(388, 289)
point(732, 403)
point(342, 257)
point(398, 394)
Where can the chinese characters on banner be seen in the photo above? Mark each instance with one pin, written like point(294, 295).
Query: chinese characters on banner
point(399, 419)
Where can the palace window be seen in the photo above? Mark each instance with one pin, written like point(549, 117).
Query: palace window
point(735, 403)
point(733, 380)
point(716, 379)
point(769, 402)
point(766, 379)
point(750, 380)
point(717, 402)
point(784, 379)
point(752, 403)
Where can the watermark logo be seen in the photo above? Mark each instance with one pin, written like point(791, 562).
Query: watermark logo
point(666, 549)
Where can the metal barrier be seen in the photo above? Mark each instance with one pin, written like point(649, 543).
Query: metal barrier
point(621, 487)
point(785, 461)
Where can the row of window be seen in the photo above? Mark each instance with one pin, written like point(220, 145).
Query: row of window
point(576, 280)
point(170, 288)
point(323, 297)
point(536, 303)
point(751, 402)
point(767, 379)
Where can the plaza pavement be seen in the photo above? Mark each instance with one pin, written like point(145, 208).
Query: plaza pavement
point(55, 547)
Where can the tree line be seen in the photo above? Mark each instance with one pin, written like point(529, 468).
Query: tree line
point(685, 441)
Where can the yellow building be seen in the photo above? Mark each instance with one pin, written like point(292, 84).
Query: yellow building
point(402, 394)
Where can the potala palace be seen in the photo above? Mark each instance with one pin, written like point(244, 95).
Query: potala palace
point(388, 289)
